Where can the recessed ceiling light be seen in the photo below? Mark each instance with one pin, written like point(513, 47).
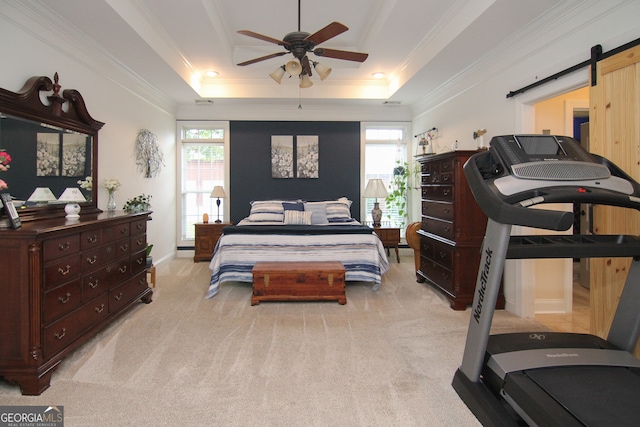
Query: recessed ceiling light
point(378, 75)
point(211, 73)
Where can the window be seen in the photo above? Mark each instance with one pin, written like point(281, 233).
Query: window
point(385, 148)
point(203, 165)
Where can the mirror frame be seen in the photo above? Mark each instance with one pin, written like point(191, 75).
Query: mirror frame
point(28, 104)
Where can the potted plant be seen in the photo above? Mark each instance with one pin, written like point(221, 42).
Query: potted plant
point(140, 203)
point(399, 188)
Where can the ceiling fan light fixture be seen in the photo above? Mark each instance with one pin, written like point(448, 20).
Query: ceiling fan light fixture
point(278, 74)
point(305, 81)
point(323, 70)
point(293, 68)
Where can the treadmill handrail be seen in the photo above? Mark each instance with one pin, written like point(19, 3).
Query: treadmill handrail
point(504, 213)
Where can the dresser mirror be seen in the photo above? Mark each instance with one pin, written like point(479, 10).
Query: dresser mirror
point(53, 144)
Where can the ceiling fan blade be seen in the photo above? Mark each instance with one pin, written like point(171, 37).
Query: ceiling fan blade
point(327, 32)
point(305, 65)
point(262, 58)
point(263, 37)
point(341, 54)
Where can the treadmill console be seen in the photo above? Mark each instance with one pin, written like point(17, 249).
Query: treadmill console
point(519, 171)
point(547, 157)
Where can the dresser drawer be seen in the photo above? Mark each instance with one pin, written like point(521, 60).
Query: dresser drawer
point(438, 210)
point(437, 274)
point(126, 292)
point(438, 227)
point(121, 231)
point(138, 243)
point(443, 254)
point(119, 271)
point(138, 262)
point(61, 300)
point(63, 332)
point(138, 227)
point(91, 239)
point(95, 283)
point(123, 248)
point(438, 192)
point(98, 257)
point(56, 248)
point(62, 270)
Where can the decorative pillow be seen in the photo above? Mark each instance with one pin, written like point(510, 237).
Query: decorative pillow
point(319, 212)
point(297, 217)
point(293, 206)
point(267, 210)
point(338, 211)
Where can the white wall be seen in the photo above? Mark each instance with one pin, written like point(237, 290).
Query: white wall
point(28, 50)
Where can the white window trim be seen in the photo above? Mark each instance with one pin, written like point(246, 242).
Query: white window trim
point(202, 124)
point(406, 127)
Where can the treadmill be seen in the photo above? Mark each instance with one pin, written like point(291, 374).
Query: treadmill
point(549, 378)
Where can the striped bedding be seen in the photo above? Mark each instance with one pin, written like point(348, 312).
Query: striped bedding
point(363, 255)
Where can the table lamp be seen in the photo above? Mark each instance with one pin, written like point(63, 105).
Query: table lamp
point(375, 189)
point(41, 195)
point(218, 192)
point(72, 196)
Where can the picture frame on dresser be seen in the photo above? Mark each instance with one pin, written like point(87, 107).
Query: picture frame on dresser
point(10, 210)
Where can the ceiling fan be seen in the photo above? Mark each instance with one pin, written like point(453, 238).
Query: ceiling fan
point(299, 43)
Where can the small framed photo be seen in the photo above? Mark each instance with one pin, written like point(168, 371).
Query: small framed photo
point(11, 211)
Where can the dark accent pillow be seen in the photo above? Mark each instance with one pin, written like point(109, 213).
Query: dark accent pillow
point(293, 206)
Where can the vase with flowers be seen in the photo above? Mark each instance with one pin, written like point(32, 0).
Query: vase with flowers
point(5, 159)
point(111, 185)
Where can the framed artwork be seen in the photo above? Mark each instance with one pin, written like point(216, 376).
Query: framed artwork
point(282, 156)
point(74, 154)
point(11, 211)
point(48, 154)
point(307, 156)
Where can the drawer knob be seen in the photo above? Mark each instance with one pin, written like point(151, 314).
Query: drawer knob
point(64, 246)
point(139, 226)
point(124, 248)
point(141, 261)
point(442, 254)
point(123, 230)
point(100, 309)
point(92, 260)
point(118, 297)
point(65, 271)
point(92, 239)
point(123, 269)
point(60, 335)
point(65, 300)
point(94, 284)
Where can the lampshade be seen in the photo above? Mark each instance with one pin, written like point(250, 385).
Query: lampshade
point(278, 74)
point(375, 189)
point(218, 191)
point(305, 81)
point(293, 68)
point(323, 71)
point(72, 196)
point(42, 195)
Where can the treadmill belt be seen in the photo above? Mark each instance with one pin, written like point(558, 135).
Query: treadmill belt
point(595, 395)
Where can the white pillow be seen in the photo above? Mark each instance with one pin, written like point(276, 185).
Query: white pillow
point(297, 217)
point(266, 210)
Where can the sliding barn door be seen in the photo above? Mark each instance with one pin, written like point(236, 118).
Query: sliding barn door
point(614, 127)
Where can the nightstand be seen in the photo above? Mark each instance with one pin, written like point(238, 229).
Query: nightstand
point(390, 238)
point(207, 236)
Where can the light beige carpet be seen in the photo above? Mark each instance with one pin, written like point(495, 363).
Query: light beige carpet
point(386, 358)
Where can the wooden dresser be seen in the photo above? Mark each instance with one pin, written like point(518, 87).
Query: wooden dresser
point(452, 229)
point(207, 235)
point(62, 281)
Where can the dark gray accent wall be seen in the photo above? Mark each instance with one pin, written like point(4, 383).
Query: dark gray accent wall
point(250, 164)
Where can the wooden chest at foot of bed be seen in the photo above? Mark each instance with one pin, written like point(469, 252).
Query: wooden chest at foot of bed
point(298, 281)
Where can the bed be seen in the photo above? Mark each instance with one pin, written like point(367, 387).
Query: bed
point(319, 231)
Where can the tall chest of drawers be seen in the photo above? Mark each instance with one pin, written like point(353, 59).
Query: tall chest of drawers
point(452, 228)
point(63, 280)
